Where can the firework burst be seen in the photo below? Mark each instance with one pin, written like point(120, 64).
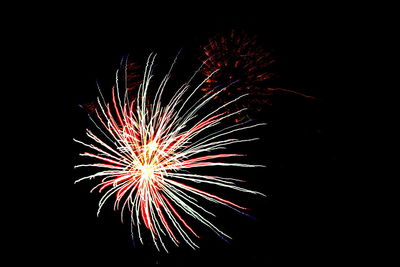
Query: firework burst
point(245, 64)
point(242, 61)
point(147, 152)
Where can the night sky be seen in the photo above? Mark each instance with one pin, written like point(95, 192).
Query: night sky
point(295, 223)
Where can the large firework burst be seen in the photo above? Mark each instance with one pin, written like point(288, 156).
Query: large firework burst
point(147, 153)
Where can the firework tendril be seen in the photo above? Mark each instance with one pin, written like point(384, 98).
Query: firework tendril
point(146, 154)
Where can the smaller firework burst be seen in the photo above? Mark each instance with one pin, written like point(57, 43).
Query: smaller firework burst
point(242, 63)
point(245, 66)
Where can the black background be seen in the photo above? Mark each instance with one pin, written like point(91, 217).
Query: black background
point(298, 222)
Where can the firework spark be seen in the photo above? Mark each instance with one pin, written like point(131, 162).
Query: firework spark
point(147, 154)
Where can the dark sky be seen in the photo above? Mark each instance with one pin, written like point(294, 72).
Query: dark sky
point(296, 223)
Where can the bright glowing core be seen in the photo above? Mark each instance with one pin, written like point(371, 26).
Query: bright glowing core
point(152, 146)
point(147, 170)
